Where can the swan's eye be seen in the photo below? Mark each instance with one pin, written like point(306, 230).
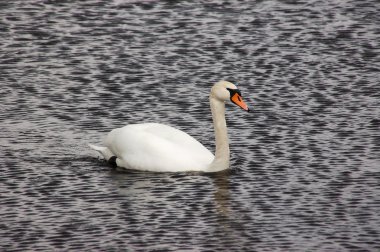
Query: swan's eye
point(234, 91)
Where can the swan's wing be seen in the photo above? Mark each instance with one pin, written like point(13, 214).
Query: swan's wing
point(174, 135)
point(158, 147)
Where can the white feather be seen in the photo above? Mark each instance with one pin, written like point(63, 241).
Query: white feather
point(157, 147)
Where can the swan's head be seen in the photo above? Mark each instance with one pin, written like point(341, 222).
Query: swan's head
point(226, 91)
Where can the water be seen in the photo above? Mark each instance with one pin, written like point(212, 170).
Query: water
point(305, 163)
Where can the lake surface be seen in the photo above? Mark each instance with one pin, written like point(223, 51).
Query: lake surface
point(305, 172)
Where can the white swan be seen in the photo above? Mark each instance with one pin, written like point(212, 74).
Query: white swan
point(161, 148)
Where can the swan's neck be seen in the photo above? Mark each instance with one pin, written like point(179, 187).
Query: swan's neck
point(222, 150)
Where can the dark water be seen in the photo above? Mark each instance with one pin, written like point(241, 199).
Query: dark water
point(305, 164)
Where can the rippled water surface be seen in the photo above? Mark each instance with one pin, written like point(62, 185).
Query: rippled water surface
point(305, 163)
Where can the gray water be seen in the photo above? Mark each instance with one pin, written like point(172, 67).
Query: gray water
point(305, 163)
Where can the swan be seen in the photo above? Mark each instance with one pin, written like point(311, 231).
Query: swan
point(160, 148)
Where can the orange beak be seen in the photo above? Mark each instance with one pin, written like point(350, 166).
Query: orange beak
point(238, 100)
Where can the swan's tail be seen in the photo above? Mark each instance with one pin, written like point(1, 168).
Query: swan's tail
point(107, 154)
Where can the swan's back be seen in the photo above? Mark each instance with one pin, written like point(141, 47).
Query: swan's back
point(158, 147)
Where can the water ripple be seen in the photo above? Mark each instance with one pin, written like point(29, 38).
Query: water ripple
point(304, 162)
